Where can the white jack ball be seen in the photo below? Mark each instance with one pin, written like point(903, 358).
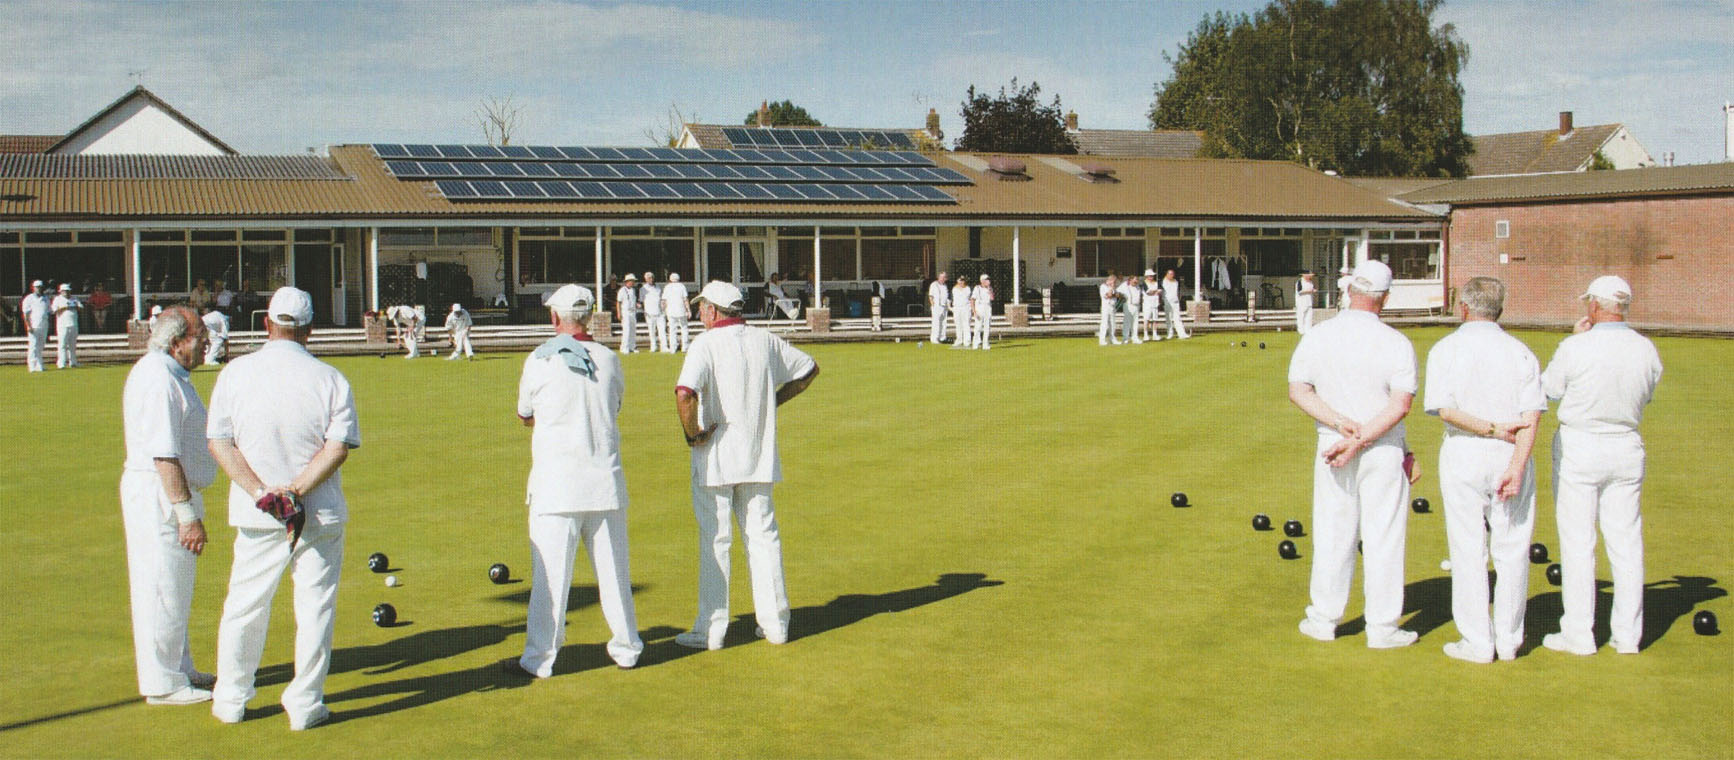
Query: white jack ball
point(391, 580)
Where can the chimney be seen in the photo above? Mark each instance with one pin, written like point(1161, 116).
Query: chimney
point(1668, 158)
point(933, 124)
point(1071, 121)
point(1564, 123)
point(764, 113)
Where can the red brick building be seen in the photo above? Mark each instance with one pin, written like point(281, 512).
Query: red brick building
point(1668, 230)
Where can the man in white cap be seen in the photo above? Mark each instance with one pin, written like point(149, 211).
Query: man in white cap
point(1150, 293)
point(960, 311)
point(282, 424)
point(156, 311)
point(458, 324)
point(1132, 307)
point(677, 311)
point(1109, 291)
point(938, 300)
point(650, 297)
point(981, 300)
point(1355, 376)
point(408, 324)
point(167, 465)
point(1603, 376)
point(1171, 305)
point(1304, 289)
point(1343, 277)
point(217, 326)
point(626, 309)
point(1486, 386)
point(34, 311)
point(65, 309)
point(570, 394)
point(730, 386)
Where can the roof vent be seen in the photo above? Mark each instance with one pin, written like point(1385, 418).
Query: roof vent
point(1098, 172)
point(1007, 169)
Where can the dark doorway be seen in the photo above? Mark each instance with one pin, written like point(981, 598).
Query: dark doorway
point(313, 274)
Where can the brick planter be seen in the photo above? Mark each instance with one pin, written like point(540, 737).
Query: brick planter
point(819, 320)
point(1018, 314)
point(138, 334)
point(601, 325)
point(1200, 311)
point(375, 328)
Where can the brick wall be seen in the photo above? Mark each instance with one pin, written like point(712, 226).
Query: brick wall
point(1678, 254)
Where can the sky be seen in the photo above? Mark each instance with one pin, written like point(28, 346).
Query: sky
point(281, 77)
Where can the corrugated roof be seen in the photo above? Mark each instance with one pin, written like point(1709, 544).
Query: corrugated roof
point(711, 135)
point(1539, 151)
point(1699, 179)
point(1165, 143)
point(46, 166)
point(1148, 189)
point(1392, 187)
point(27, 143)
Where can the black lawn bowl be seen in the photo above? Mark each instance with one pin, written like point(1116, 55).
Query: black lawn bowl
point(1179, 499)
point(1286, 550)
point(1538, 554)
point(1421, 506)
point(385, 616)
point(1704, 623)
point(1554, 574)
point(1261, 522)
point(378, 563)
point(499, 573)
point(1293, 529)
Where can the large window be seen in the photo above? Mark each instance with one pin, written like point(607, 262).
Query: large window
point(836, 258)
point(1272, 257)
point(555, 254)
point(12, 280)
point(661, 250)
point(1101, 250)
point(895, 258)
point(80, 259)
point(1411, 254)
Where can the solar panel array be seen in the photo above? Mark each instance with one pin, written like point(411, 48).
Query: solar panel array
point(775, 137)
point(513, 172)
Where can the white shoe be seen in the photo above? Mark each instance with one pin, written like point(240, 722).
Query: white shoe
point(1460, 650)
point(1393, 640)
point(318, 716)
point(760, 632)
point(202, 680)
point(1559, 643)
point(696, 640)
point(1624, 648)
point(228, 714)
point(186, 695)
point(1318, 630)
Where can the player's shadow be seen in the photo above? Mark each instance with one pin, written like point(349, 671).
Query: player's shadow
point(1664, 603)
point(406, 652)
point(1427, 602)
point(577, 598)
point(423, 690)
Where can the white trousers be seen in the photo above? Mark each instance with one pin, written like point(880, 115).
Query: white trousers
point(1174, 325)
point(657, 327)
point(749, 504)
point(66, 348)
point(1469, 470)
point(160, 576)
point(261, 556)
point(980, 325)
point(413, 348)
point(1105, 330)
point(1366, 497)
point(1597, 480)
point(960, 321)
point(1127, 317)
point(38, 343)
point(461, 344)
point(214, 352)
point(1150, 319)
point(629, 332)
point(553, 547)
point(936, 333)
point(678, 335)
point(1303, 321)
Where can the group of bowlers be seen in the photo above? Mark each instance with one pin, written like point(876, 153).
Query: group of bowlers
point(970, 309)
point(665, 310)
point(1139, 306)
point(38, 311)
point(281, 423)
point(1356, 377)
point(409, 330)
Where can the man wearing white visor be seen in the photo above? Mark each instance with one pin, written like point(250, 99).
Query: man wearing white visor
point(1603, 376)
point(1355, 376)
point(677, 311)
point(730, 386)
point(458, 324)
point(570, 394)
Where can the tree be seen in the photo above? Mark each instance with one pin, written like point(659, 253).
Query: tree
point(1364, 87)
point(784, 114)
point(499, 118)
point(1599, 161)
point(668, 133)
point(1014, 123)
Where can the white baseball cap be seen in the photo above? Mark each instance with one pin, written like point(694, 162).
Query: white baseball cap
point(1372, 276)
point(36, 284)
point(1149, 273)
point(571, 298)
point(156, 309)
point(1609, 287)
point(648, 275)
point(457, 307)
point(674, 277)
point(65, 287)
point(721, 294)
point(985, 278)
point(630, 277)
point(291, 307)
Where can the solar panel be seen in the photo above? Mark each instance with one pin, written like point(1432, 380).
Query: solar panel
point(830, 137)
point(582, 154)
point(422, 151)
point(724, 171)
point(846, 192)
point(490, 189)
point(748, 171)
point(783, 192)
point(504, 170)
point(658, 190)
point(537, 170)
point(546, 152)
point(628, 190)
point(608, 154)
point(736, 136)
point(752, 191)
point(636, 154)
point(591, 190)
point(665, 154)
point(569, 170)
point(632, 171)
point(931, 193)
point(405, 168)
point(806, 156)
point(486, 151)
point(455, 188)
point(525, 190)
point(751, 156)
point(389, 150)
point(902, 192)
point(687, 190)
point(439, 169)
point(723, 190)
point(559, 189)
point(663, 171)
point(899, 140)
point(516, 151)
point(875, 193)
point(812, 192)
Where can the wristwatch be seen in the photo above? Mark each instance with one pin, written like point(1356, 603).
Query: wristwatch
point(1492, 430)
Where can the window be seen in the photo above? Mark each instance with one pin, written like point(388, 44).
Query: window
point(1408, 261)
point(82, 265)
point(11, 271)
point(212, 264)
point(316, 235)
point(1502, 229)
point(263, 268)
point(557, 261)
point(895, 259)
point(837, 258)
point(652, 255)
point(1272, 258)
point(1095, 258)
point(163, 268)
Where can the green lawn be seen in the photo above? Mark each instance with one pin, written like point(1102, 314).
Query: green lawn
point(980, 553)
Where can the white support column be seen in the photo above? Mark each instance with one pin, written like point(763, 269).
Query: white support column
point(599, 231)
point(1197, 263)
point(817, 289)
point(137, 278)
point(1017, 251)
point(373, 266)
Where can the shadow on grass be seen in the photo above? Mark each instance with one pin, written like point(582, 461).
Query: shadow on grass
point(1429, 600)
point(69, 714)
point(424, 690)
point(1664, 603)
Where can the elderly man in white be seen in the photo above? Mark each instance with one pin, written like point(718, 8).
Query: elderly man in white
point(408, 323)
point(167, 465)
point(217, 324)
point(1603, 376)
point(1109, 292)
point(1304, 290)
point(65, 308)
point(626, 309)
point(981, 301)
point(961, 308)
point(730, 386)
point(1150, 295)
point(938, 299)
point(1355, 376)
point(34, 312)
point(650, 298)
point(677, 312)
point(570, 394)
point(1171, 305)
point(458, 324)
point(1486, 386)
point(282, 424)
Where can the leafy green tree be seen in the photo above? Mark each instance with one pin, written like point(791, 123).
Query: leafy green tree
point(1014, 122)
point(1365, 87)
point(784, 114)
point(1599, 161)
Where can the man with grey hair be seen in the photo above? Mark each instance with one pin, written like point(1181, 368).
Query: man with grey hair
point(650, 299)
point(569, 395)
point(167, 465)
point(458, 324)
point(281, 425)
point(33, 311)
point(1603, 376)
point(938, 299)
point(734, 378)
point(1355, 376)
point(65, 308)
point(217, 324)
point(677, 311)
point(1486, 386)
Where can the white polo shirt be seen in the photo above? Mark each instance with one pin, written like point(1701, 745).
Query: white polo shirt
point(652, 298)
point(1603, 377)
point(280, 405)
point(628, 299)
point(574, 396)
point(1134, 294)
point(1355, 362)
point(217, 323)
point(1107, 293)
point(736, 371)
point(65, 319)
point(960, 295)
point(458, 320)
point(35, 309)
point(939, 294)
point(1171, 291)
point(164, 418)
point(982, 295)
point(674, 300)
point(1482, 370)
